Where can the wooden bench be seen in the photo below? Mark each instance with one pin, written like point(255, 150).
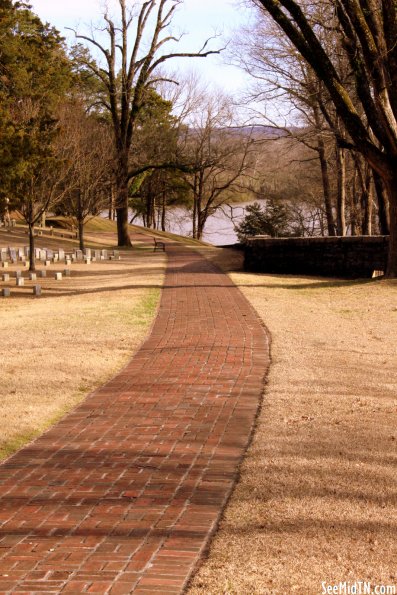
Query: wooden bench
point(158, 244)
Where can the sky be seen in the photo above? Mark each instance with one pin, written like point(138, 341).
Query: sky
point(197, 19)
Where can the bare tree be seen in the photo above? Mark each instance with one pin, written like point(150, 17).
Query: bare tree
point(368, 110)
point(89, 182)
point(282, 80)
point(130, 68)
point(220, 156)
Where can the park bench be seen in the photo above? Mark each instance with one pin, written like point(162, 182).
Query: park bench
point(158, 244)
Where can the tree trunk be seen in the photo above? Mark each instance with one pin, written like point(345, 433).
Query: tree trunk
point(383, 205)
point(341, 199)
point(391, 187)
point(111, 204)
point(195, 206)
point(32, 256)
point(367, 203)
point(163, 205)
point(123, 235)
point(326, 187)
point(80, 220)
point(81, 233)
point(354, 207)
point(200, 228)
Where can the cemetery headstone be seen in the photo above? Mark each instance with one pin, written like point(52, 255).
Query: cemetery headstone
point(20, 282)
point(13, 255)
point(37, 290)
point(5, 292)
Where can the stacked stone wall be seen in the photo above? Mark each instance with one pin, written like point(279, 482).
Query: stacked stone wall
point(349, 257)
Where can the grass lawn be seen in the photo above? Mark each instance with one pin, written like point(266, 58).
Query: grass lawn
point(317, 497)
point(83, 330)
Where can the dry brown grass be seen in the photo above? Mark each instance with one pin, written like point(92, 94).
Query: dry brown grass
point(58, 348)
point(317, 495)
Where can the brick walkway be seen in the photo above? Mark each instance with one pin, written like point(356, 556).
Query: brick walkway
point(123, 494)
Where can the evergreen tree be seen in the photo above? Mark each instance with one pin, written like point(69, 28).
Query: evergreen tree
point(272, 220)
point(34, 77)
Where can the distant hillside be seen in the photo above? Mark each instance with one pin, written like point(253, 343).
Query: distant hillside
point(266, 131)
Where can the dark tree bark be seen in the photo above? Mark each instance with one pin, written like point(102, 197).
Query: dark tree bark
point(341, 191)
point(326, 187)
point(354, 207)
point(383, 205)
point(163, 210)
point(367, 203)
point(32, 259)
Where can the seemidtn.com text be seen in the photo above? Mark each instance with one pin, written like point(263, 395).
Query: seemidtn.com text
point(357, 588)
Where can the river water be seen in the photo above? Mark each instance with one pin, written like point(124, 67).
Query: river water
point(219, 229)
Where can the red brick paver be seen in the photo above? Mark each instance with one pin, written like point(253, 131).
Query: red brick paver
point(123, 494)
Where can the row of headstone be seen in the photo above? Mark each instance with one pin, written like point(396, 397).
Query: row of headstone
point(33, 275)
point(22, 254)
point(6, 291)
point(14, 254)
point(20, 280)
point(8, 223)
point(49, 256)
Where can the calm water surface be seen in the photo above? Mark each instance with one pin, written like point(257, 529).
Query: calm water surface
point(219, 229)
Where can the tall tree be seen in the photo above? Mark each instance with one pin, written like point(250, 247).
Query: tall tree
point(130, 68)
point(35, 75)
point(368, 30)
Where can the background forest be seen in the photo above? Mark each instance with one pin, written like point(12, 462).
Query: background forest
point(102, 126)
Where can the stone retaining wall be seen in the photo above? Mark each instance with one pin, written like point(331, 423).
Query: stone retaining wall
point(351, 257)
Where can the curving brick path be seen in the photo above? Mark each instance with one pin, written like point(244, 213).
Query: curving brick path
point(123, 494)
